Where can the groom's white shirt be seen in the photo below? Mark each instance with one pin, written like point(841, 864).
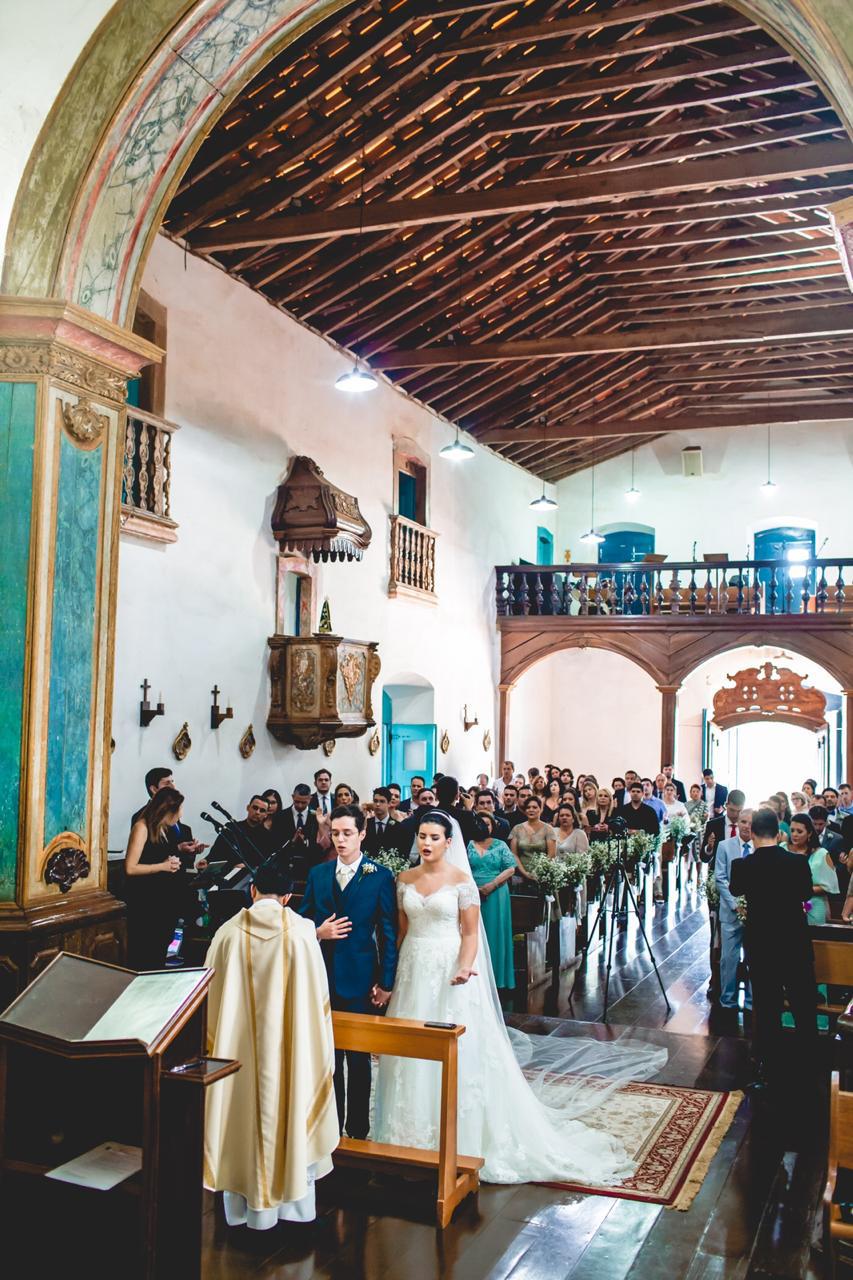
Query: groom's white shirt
point(349, 868)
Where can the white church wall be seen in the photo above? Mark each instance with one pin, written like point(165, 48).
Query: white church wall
point(250, 387)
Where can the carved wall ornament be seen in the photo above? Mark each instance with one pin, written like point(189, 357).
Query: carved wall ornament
point(487, 739)
point(65, 866)
point(247, 743)
point(66, 365)
point(183, 743)
point(444, 743)
point(375, 742)
point(316, 518)
point(769, 692)
point(352, 666)
point(83, 422)
point(329, 746)
point(320, 688)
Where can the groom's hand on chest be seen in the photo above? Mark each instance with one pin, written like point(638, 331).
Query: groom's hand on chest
point(334, 928)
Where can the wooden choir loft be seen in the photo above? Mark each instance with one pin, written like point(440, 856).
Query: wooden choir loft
point(567, 228)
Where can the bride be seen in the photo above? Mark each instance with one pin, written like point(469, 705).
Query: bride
point(525, 1132)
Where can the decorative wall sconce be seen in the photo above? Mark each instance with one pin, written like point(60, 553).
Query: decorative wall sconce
point(247, 743)
point(217, 716)
point(375, 742)
point(183, 742)
point(469, 724)
point(487, 739)
point(329, 746)
point(444, 743)
point(146, 711)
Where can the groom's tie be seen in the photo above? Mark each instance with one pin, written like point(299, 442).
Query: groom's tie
point(343, 876)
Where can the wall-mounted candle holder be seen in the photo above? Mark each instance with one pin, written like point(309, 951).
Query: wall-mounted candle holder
point(146, 712)
point(469, 721)
point(217, 716)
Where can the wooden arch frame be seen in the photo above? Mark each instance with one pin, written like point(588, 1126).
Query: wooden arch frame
point(86, 239)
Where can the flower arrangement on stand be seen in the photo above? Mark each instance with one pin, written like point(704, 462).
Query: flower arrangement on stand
point(679, 830)
point(553, 874)
point(711, 893)
point(578, 866)
point(394, 861)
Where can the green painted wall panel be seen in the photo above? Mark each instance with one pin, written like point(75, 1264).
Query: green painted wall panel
point(17, 436)
point(75, 578)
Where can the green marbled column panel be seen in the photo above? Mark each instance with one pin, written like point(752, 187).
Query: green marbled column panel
point(17, 440)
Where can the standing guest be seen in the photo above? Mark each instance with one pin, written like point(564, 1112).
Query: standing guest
point(810, 790)
point(155, 780)
point(579, 785)
point(482, 781)
point(832, 845)
point(786, 806)
point(731, 925)
point(539, 786)
point(829, 800)
point(567, 778)
point(416, 786)
point(651, 799)
point(799, 802)
point(804, 841)
point(154, 881)
point(618, 788)
point(485, 804)
point(447, 799)
point(406, 831)
point(301, 831)
point(380, 829)
point(631, 775)
point(510, 812)
point(520, 780)
point(361, 960)
point(675, 808)
point(532, 837)
point(552, 798)
point(492, 865)
point(603, 807)
point(713, 792)
point(589, 803)
point(774, 803)
point(270, 1132)
point(845, 800)
point(321, 800)
point(569, 836)
point(723, 827)
point(636, 814)
point(396, 793)
point(274, 807)
point(775, 884)
point(345, 794)
point(507, 772)
point(667, 770)
point(695, 803)
point(658, 784)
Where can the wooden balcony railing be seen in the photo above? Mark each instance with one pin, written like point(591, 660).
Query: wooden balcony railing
point(147, 477)
point(806, 588)
point(412, 560)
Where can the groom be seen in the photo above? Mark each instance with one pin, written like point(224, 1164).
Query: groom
point(353, 905)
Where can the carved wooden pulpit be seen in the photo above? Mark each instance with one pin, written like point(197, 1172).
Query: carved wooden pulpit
point(320, 688)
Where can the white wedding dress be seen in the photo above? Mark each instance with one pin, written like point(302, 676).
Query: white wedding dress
point(524, 1123)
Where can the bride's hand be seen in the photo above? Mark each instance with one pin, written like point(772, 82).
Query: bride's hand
point(462, 976)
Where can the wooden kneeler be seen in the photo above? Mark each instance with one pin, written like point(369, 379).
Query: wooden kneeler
point(458, 1176)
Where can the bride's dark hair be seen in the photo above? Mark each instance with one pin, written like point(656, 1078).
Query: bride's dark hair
point(440, 819)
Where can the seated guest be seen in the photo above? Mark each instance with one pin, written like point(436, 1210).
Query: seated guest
point(636, 814)
point(531, 837)
point(713, 792)
point(775, 884)
point(484, 803)
point(553, 797)
point(269, 1132)
point(246, 843)
point(492, 865)
point(322, 799)
point(510, 811)
point(674, 806)
point(804, 841)
point(416, 786)
point(667, 770)
point(569, 836)
point(301, 831)
point(651, 799)
point(380, 830)
point(274, 807)
point(723, 827)
point(155, 881)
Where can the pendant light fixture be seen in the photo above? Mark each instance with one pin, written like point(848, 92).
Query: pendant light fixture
point(457, 450)
point(543, 502)
point(632, 494)
point(358, 379)
point(768, 488)
point(591, 537)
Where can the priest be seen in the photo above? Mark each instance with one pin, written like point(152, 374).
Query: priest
point(271, 1128)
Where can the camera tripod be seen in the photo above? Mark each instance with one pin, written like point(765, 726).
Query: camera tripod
point(619, 882)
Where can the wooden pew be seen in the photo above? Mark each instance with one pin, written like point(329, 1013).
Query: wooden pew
point(458, 1176)
point(833, 967)
point(840, 1157)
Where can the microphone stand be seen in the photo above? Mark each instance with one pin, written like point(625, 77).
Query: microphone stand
point(227, 836)
point(214, 804)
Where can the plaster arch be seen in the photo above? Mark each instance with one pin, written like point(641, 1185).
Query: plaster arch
point(511, 674)
point(150, 84)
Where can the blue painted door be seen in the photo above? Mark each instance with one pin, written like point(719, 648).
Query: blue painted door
point(544, 546)
point(788, 544)
point(412, 751)
point(623, 546)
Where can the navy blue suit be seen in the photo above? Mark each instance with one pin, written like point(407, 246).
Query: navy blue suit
point(366, 956)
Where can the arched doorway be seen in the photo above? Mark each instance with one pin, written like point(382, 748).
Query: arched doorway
point(408, 730)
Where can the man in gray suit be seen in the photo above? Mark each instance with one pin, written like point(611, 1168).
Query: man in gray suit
point(731, 927)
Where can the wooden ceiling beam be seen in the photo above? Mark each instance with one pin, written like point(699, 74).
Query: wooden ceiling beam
point(675, 179)
point(756, 416)
point(778, 247)
point(562, 28)
point(736, 277)
point(711, 234)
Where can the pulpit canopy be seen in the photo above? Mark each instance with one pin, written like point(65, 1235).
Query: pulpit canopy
point(317, 518)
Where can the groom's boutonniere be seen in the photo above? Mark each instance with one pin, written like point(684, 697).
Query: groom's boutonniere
point(368, 868)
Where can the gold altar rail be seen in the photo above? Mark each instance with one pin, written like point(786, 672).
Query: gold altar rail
point(412, 559)
point(458, 1176)
point(687, 588)
point(147, 476)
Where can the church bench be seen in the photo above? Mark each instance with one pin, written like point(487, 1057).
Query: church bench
point(839, 1167)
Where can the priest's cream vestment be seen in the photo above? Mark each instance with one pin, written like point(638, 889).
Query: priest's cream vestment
point(275, 1120)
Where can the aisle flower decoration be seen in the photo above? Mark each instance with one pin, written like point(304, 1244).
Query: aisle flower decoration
point(679, 829)
point(394, 861)
point(602, 856)
point(641, 848)
point(553, 874)
point(698, 818)
point(711, 894)
point(578, 866)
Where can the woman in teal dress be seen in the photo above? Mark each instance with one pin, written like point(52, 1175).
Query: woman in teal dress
point(803, 840)
point(492, 865)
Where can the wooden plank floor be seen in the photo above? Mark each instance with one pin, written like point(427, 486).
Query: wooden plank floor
point(753, 1218)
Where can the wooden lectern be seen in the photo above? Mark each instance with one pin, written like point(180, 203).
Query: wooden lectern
point(92, 1054)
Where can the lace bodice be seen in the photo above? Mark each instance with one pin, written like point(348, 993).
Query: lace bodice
point(437, 914)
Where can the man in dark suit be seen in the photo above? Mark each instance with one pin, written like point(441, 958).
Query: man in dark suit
point(447, 799)
point(380, 831)
point(416, 786)
point(297, 832)
point(352, 902)
point(405, 831)
point(667, 771)
point(713, 793)
point(636, 814)
point(485, 803)
point(510, 811)
point(321, 800)
point(775, 884)
point(723, 827)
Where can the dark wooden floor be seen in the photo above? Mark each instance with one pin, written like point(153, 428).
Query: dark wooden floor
point(753, 1218)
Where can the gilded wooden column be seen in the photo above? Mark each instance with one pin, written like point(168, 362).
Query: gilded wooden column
point(63, 383)
point(668, 721)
